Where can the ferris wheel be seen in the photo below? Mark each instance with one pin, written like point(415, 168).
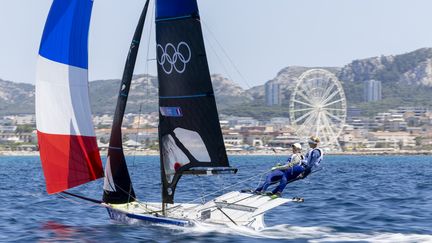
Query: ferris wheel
point(318, 107)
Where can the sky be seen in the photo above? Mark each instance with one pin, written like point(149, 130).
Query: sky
point(248, 41)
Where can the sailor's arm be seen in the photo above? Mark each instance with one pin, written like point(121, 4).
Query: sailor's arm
point(284, 167)
point(290, 163)
point(308, 165)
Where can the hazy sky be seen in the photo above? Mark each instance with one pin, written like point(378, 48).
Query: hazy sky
point(259, 36)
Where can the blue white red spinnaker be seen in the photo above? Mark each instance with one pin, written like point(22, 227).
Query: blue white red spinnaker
point(66, 137)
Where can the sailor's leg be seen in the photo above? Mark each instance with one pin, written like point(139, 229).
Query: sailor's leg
point(271, 178)
point(267, 181)
point(282, 184)
point(259, 189)
point(296, 171)
point(290, 175)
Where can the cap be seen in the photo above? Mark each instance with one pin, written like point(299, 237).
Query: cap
point(314, 140)
point(296, 145)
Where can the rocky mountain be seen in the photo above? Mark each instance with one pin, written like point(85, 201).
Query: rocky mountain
point(400, 74)
point(288, 78)
point(144, 91)
point(16, 98)
point(228, 93)
point(409, 68)
point(142, 95)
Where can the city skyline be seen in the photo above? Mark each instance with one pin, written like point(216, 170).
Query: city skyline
point(307, 33)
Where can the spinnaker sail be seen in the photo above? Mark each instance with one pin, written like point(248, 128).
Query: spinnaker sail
point(66, 137)
point(117, 185)
point(190, 137)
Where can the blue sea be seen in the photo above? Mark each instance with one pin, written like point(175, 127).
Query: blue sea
point(353, 199)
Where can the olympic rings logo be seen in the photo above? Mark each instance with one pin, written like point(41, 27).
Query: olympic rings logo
point(173, 58)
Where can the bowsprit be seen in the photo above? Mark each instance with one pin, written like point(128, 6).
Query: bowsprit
point(175, 58)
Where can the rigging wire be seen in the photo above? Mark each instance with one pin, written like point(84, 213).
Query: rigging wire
point(146, 78)
point(147, 81)
point(148, 41)
point(244, 80)
point(230, 186)
point(219, 59)
point(75, 201)
point(202, 197)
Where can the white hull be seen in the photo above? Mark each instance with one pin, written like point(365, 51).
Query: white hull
point(233, 208)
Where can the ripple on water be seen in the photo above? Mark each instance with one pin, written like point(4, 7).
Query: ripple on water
point(355, 198)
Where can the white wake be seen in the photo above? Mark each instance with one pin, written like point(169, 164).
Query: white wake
point(311, 234)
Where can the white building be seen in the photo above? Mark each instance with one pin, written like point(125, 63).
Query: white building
point(233, 138)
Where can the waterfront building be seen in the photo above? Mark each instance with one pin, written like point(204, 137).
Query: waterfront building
point(279, 122)
point(232, 138)
point(284, 141)
point(8, 129)
point(18, 138)
point(394, 123)
point(25, 120)
point(395, 140)
point(415, 111)
point(237, 122)
point(104, 120)
point(354, 112)
point(257, 136)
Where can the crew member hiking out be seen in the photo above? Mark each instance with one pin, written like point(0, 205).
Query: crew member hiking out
point(294, 169)
point(282, 173)
point(313, 157)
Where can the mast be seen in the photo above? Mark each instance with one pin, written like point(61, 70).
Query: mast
point(190, 138)
point(117, 185)
point(66, 137)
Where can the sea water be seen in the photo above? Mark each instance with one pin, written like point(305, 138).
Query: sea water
point(352, 199)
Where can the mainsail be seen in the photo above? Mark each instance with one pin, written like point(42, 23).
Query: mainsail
point(190, 137)
point(117, 185)
point(67, 142)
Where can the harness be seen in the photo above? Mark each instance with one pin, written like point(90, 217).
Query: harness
point(292, 162)
point(309, 157)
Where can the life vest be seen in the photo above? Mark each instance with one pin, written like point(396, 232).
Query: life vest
point(309, 157)
point(294, 156)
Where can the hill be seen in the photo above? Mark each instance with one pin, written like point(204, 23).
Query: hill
point(406, 80)
point(18, 98)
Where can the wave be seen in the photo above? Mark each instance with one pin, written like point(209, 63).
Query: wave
point(311, 234)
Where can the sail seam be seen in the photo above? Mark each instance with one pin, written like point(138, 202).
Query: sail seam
point(186, 96)
point(175, 18)
point(111, 147)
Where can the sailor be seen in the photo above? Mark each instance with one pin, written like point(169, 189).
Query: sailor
point(313, 157)
point(284, 173)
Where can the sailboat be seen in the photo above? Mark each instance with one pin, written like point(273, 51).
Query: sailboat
point(190, 136)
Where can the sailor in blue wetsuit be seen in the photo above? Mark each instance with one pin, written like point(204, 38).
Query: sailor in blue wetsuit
point(313, 157)
point(293, 170)
point(282, 174)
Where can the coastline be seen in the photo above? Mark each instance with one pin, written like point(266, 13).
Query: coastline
point(244, 153)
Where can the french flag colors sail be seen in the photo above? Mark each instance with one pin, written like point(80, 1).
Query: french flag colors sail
point(67, 141)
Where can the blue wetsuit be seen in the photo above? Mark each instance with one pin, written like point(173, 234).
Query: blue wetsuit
point(283, 176)
point(313, 158)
